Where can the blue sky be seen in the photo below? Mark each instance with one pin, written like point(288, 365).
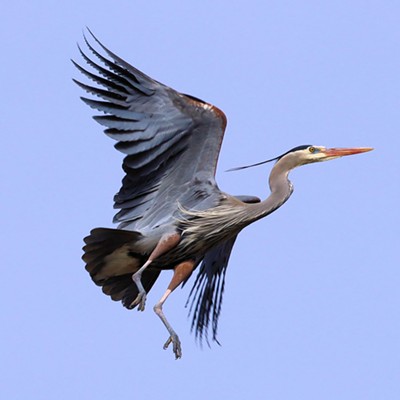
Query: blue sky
point(312, 292)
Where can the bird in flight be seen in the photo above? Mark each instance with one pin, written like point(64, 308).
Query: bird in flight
point(172, 214)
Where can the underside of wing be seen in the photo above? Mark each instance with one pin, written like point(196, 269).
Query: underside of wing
point(171, 140)
point(206, 295)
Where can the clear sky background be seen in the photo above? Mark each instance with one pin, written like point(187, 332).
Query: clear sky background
point(311, 307)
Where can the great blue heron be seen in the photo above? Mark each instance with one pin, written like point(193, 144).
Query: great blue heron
point(172, 214)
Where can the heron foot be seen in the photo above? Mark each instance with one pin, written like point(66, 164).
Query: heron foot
point(140, 301)
point(176, 345)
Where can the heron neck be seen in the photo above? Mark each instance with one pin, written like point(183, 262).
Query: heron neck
point(281, 189)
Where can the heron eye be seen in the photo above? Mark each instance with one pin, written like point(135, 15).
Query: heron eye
point(311, 149)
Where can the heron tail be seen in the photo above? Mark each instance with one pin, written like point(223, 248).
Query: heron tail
point(112, 256)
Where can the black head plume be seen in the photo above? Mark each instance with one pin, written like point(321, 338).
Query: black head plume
point(302, 147)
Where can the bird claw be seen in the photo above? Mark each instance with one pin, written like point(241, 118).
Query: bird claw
point(176, 346)
point(140, 300)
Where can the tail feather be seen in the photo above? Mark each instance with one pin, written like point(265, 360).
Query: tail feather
point(122, 288)
point(112, 256)
point(108, 250)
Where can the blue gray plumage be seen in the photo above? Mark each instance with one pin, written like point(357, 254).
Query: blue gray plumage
point(159, 130)
point(172, 215)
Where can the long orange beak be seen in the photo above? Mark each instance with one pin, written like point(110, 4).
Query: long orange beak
point(340, 152)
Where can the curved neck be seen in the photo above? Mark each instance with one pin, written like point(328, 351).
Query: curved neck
point(281, 190)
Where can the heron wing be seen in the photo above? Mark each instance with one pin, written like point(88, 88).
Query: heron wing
point(206, 295)
point(171, 141)
point(208, 289)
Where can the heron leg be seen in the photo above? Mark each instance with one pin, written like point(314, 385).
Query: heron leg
point(181, 272)
point(166, 243)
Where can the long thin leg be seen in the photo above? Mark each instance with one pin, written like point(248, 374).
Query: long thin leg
point(166, 243)
point(181, 272)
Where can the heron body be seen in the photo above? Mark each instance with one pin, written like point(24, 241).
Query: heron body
point(172, 215)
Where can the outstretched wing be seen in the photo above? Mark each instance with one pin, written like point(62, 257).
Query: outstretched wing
point(171, 141)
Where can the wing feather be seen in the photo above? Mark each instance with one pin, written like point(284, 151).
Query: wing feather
point(170, 140)
point(206, 295)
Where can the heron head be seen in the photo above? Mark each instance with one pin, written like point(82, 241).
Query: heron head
point(309, 154)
